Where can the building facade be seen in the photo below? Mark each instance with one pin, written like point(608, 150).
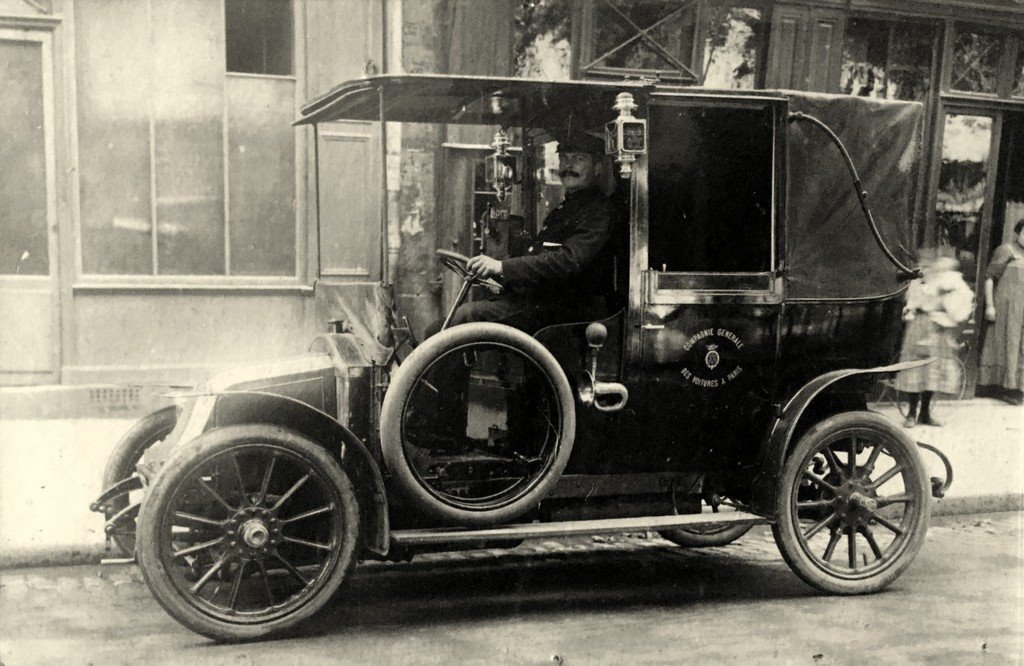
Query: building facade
point(157, 208)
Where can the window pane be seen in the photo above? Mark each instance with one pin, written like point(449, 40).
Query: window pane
point(1018, 71)
point(261, 175)
point(112, 70)
point(910, 62)
point(733, 49)
point(886, 60)
point(188, 134)
point(616, 40)
point(23, 247)
point(350, 199)
point(710, 189)
point(976, 61)
point(864, 58)
point(259, 36)
point(966, 144)
point(543, 33)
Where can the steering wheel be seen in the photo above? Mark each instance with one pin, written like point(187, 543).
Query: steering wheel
point(456, 262)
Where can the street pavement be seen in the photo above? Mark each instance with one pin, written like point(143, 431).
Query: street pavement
point(606, 600)
point(51, 469)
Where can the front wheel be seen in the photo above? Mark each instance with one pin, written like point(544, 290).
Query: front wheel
point(853, 504)
point(248, 531)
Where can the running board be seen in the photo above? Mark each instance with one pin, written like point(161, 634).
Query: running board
point(445, 535)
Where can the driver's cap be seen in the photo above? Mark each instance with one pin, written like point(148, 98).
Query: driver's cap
point(581, 142)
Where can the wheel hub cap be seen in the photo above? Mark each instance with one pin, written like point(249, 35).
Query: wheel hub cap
point(855, 501)
point(255, 533)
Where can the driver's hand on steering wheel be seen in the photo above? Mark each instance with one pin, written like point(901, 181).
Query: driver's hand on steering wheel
point(483, 266)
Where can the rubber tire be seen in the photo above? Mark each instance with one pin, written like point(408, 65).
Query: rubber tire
point(195, 453)
point(403, 382)
point(687, 539)
point(784, 528)
point(127, 453)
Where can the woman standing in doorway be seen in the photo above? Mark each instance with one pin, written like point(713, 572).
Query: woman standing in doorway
point(1002, 357)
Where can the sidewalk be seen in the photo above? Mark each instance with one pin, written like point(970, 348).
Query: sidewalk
point(52, 468)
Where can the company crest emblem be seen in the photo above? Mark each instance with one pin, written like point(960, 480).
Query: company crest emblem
point(712, 358)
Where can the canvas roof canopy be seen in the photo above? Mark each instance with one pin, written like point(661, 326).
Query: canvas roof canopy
point(482, 100)
point(830, 251)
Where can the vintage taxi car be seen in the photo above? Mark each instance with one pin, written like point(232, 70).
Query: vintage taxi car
point(756, 301)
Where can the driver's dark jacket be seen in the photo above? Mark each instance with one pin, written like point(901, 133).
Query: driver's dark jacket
point(571, 256)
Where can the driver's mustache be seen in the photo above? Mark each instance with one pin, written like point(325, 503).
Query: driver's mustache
point(568, 172)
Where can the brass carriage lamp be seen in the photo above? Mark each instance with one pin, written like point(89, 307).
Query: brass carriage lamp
point(626, 136)
point(500, 166)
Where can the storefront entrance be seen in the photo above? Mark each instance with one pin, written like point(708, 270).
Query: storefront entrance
point(30, 341)
point(979, 197)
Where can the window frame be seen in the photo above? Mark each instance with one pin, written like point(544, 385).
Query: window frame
point(587, 63)
point(697, 286)
point(300, 281)
point(935, 55)
point(763, 39)
point(1009, 42)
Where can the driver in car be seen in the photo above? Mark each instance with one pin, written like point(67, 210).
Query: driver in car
point(567, 272)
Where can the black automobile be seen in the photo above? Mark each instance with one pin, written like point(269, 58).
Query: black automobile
point(723, 384)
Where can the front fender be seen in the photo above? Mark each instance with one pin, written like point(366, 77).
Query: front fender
point(224, 408)
point(773, 454)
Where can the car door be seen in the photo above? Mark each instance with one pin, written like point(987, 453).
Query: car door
point(709, 282)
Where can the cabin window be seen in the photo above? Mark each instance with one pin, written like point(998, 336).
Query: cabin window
point(258, 36)
point(710, 186)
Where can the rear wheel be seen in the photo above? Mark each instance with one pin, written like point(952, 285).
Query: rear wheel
point(128, 453)
point(248, 531)
point(707, 536)
point(853, 504)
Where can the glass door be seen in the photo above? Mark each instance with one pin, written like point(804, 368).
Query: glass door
point(964, 203)
point(28, 288)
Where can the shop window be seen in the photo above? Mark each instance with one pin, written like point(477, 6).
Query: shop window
point(976, 57)
point(887, 60)
point(258, 36)
point(261, 175)
point(187, 111)
point(542, 40)
point(160, 135)
point(23, 201)
point(641, 36)
point(710, 189)
point(734, 48)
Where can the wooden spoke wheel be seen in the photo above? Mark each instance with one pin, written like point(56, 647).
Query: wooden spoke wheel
point(705, 536)
point(247, 532)
point(853, 504)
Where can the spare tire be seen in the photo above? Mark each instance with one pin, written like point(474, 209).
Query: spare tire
point(477, 425)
